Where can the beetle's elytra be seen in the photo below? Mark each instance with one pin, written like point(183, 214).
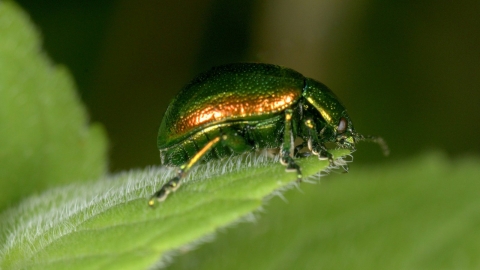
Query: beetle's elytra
point(236, 108)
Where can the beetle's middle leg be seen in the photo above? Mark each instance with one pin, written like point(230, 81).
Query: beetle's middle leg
point(288, 146)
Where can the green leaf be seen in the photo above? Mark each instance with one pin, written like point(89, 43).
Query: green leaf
point(422, 213)
point(108, 225)
point(44, 136)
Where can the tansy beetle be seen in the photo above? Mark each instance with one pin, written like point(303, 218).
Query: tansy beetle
point(241, 107)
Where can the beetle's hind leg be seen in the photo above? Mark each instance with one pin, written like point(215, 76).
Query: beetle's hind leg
point(175, 183)
point(288, 147)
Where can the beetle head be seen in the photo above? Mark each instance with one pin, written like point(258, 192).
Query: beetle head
point(338, 127)
point(345, 135)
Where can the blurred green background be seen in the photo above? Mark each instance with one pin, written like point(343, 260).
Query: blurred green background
point(406, 70)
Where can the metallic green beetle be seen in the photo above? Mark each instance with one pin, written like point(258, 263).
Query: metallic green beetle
point(241, 107)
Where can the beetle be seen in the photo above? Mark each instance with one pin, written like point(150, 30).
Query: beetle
point(236, 108)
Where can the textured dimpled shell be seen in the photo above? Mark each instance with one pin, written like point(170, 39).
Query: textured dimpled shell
point(227, 93)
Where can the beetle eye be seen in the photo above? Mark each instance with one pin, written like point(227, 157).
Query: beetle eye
point(342, 125)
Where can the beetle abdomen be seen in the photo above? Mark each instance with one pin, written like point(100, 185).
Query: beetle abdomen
point(243, 136)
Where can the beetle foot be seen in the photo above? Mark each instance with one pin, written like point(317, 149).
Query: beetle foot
point(291, 166)
point(166, 189)
point(324, 155)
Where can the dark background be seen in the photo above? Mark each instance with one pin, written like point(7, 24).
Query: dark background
point(406, 70)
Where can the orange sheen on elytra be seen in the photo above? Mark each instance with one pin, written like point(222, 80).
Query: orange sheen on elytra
point(235, 106)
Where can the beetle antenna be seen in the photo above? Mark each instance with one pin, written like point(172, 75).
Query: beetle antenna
point(378, 140)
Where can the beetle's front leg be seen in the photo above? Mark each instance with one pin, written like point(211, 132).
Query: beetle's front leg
point(314, 145)
point(322, 153)
point(286, 153)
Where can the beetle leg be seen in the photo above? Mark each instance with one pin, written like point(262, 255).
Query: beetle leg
point(297, 153)
point(175, 183)
point(314, 145)
point(287, 150)
point(323, 153)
